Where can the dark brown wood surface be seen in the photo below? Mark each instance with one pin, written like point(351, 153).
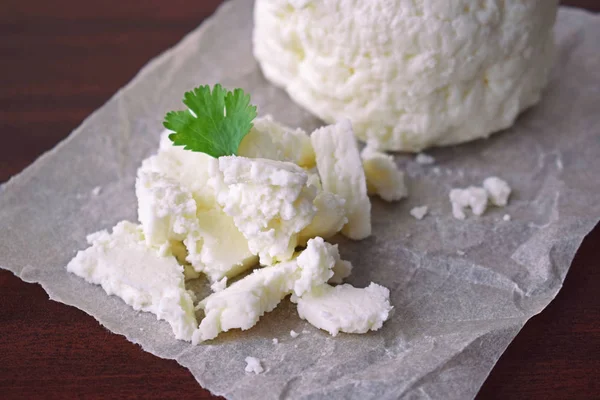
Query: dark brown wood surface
point(62, 59)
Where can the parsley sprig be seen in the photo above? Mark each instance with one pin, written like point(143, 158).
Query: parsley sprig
point(215, 123)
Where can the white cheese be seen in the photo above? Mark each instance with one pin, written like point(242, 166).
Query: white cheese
point(275, 341)
point(424, 159)
point(241, 304)
point(271, 140)
point(269, 201)
point(166, 210)
point(419, 212)
point(330, 216)
point(341, 171)
point(506, 217)
point(294, 334)
point(498, 191)
point(345, 308)
point(125, 266)
point(383, 176)
point(474, 197)
point(218, 248)
point(411, 74)
point(341, 270)
point(253, 365)
point(219, 285)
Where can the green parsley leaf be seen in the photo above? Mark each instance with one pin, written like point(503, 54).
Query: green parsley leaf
point(219, 122)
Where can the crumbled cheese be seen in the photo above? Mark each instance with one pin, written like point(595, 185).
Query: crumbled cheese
point(383, 176)
point(269, 201)
point(96, 191)
point(123, 264)
point(219, 285)
point(341, 171)
point(497, 190)
point(424, 159)
point(166, 210)
point(474, 197)
point(460, 253)
point(341, 270)
point(294, 334)
point(345, 308)
point(410, 74)
point(241, 304)
point(419, 212)
point(275, 341)
point(253, 365)
point(329, 218)
point(506, 217)
point(271, 140)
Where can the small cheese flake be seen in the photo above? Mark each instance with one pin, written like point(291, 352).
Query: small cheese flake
point(294, 334)
point(96, 191)
point(219, 285)
point(253, 365)
point(419, 212)
point(424, 159)
point(275, 341)
point(460, 253)
point(506, 217)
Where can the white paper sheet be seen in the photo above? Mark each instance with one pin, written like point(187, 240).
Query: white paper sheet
point(455, 314)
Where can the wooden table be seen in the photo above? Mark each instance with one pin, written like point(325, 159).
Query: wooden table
point(62, 59)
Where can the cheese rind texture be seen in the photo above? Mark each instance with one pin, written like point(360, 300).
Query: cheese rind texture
point(410, 74)
point(345, 308)
point(126, 267)
point(240, 305)
point(341, 171)
point(270, 202)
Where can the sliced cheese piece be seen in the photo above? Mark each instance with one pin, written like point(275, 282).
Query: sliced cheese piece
point(345, 308)
point(341, 171)
point(240, 305)
point(125, 266)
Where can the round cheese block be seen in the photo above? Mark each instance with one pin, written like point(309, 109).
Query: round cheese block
point(409, 74)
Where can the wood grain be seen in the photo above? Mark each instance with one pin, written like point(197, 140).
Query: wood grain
point(61, 60)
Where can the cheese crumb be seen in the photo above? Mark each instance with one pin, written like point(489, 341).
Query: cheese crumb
point(419, 212)
point(275, 341)
point(474, 197)
point(497, 190)
point(506, 217)
point(253, 365)
point(96, 191)
point(219, 285)
point(294, 334)
point(424, 159)
point(460, 252)
point(384, 178)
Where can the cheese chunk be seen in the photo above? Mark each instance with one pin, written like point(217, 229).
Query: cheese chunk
point(166, 210)
point(330, 216)
point(341, 270)
point(125, 266)
point(474, 197)
point(270, 203)
point(497, 190)
point(240, 305)
point(345, 308)
point(383, 176)
point(271, 140)
point(341, 171)
point(411, 74)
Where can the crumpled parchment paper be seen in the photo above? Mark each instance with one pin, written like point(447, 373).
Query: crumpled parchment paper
point(454, 314)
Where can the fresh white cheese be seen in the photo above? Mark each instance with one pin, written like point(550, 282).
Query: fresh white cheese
point(498, 190)
point(269, 139)
point(419, 212)
point(384, 178)
point(345, 308)
point(241, 304)
point(341, 270)
point(341, 171)
point(294, 334)
point(270, 203)
point(166, 210)
point(219, 285)
point(218, 248)
point(329, 218)
point(506, 217)
point(253, 365)
point(474, 197)
point(125, 266)
point(411, 74)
